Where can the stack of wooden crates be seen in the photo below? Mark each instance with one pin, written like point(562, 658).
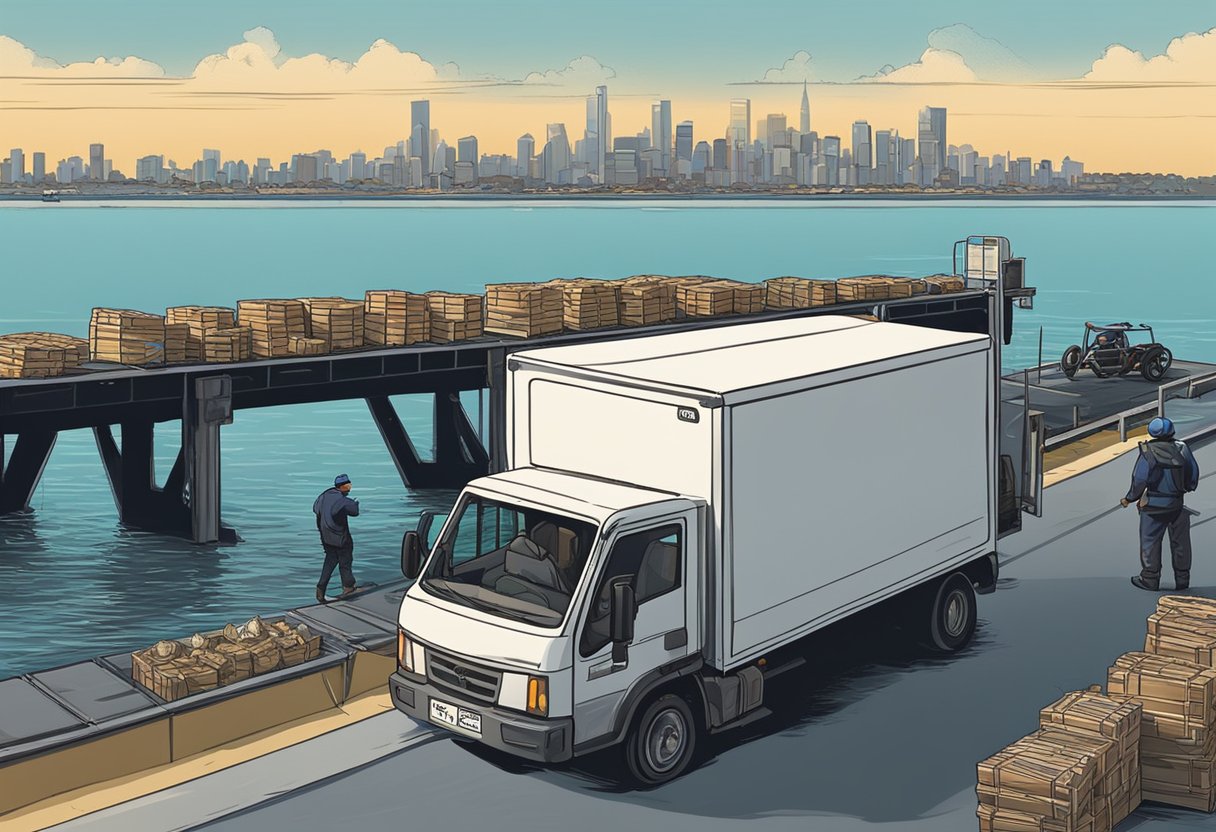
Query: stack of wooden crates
point(454, 316)
point(126, 336)
point(798, 293)
point(272, 324)
point(588, 304)
point(523, 309)
point(645, 299)
point(330, 324)
point(393, 318)
point(40, 354)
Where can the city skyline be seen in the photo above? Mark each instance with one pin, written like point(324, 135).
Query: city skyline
point(253, 98)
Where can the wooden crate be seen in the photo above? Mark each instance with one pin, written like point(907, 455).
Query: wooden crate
point(1038, 778)
point(645, 299)
point(307, 346)
point(748, 297)
point(455, 316)
point(1183, 627)
point(798, 293)
point(200, 320)
point(395, 318)
point(177, 340)
point(943, 284)
point(523, 309)
point(851, 289)
point(272, 324)
point(224, 346)
point(40, 354)
point(588, 304)
point(704, 298)
point(337, 322)
point(998, 820)
point(916, 285)
point(126, 336)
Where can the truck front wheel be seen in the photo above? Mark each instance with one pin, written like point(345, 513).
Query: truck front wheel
point(952, 613)
point(662, 742)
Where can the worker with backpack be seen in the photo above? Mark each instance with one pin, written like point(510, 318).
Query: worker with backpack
point(1165, 471)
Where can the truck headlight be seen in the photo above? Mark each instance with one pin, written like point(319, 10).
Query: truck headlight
point(524, 692)
point(411, 656)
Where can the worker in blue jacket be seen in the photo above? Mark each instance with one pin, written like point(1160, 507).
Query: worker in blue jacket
point(1165, 471)
point(332, 508)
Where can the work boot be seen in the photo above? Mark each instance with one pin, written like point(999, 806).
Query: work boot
point(347, 591)
point(1182, 583)
point(1140, 583)
point(321, 599)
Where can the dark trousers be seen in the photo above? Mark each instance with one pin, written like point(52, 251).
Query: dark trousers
point(342, 557)
point(1152, 531)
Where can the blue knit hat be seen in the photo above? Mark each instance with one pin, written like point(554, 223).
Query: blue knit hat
point(341, 479)
point(1160, 428)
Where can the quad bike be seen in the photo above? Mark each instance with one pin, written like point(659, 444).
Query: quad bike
point(1106, 351)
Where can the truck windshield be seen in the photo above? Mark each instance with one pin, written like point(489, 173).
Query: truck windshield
point(514, 562)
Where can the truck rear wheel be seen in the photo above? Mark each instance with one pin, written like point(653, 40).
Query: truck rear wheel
point(952, 614)
point(662, 742)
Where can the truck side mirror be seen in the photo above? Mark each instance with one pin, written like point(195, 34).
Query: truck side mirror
point(621, 618)
point(411, 555)
point(425, 521)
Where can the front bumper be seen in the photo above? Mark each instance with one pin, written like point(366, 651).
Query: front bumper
point(542, 740)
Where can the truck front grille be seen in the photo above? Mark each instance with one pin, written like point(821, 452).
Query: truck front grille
point(463, 679)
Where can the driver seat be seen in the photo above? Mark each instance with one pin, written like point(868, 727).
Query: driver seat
point(530, 574)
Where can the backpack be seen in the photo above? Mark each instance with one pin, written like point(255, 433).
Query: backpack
point(1167, 476)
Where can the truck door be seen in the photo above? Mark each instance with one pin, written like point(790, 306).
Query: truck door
point(659, 558)
point(1020, 475)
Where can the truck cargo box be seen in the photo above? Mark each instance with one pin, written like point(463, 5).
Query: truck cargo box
point(840, 460)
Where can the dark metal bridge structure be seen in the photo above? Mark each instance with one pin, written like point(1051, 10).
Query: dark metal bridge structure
point(204, 396)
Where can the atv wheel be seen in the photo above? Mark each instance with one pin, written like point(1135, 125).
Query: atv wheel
point(1155, 363)
point(1070, 362)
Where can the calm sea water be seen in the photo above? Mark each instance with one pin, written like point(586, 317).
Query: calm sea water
point(74, 583)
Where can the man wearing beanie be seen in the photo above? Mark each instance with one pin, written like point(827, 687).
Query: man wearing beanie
point(1165, 471)
point(333, 508)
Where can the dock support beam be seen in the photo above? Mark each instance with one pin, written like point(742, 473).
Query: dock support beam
point(132, 475)
point(459, 455)
point(208, 405)
point(19, 479)
point(496, 380)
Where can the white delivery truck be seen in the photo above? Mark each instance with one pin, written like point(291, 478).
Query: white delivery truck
point(681, 507)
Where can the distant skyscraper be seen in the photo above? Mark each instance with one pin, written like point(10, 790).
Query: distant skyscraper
point(525, 149)
point(830, 155)
point(39, 168)
point(884, 157)
point(17, 157)
point(684, 141)
point(660, 134)
point(931, 133)
point(804, 115)
point(358, 164)
point(557, 155)
point(306, 168)
point(603, 128)
point(420, 134)
point(862, 152)
point(775, 131)
point(739, 136)
point(702, 158)
point(97, 161)
point(466, 151)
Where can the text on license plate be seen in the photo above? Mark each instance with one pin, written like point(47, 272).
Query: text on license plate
point(454, 717)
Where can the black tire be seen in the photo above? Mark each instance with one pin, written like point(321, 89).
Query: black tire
point(662, 742)
point(952, 613)
point(1070, 362)
point(1155, 363)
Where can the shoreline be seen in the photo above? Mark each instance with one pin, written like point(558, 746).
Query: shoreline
point(322, 196)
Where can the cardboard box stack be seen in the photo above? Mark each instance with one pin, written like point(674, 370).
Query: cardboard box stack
point(523, 309)
point(176, 669)
point(798, 293)
point(225, 346)
point(199, 321)
point(126, 336)
point(40, 354)
point(588, 304)
point(869, 287)
point(645, 299)
point(1177, 739)
point(1112, 729)
point(1036, 784)
point(272, 323)
point(393, 318)
point(943, 284)
point(337, 322)
point(454, 316)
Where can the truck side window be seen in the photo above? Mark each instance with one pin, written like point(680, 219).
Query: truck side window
point(653, 558)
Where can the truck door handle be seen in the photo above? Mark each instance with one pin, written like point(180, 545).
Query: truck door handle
point(675, 639)
point(604, 668)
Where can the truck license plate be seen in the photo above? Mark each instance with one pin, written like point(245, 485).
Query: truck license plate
point(451, 716)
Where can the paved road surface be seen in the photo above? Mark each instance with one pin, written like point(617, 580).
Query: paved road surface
point(870, 733)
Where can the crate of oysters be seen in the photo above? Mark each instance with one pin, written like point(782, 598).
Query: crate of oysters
point(174, 669)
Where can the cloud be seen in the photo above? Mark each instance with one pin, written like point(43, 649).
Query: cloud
point(1189, 58)
point(936, 66)
point(583, 72)
point(990, 59)
point(796, 69)
point(18, 59)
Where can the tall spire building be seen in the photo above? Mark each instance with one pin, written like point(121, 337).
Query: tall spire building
point(804, 118)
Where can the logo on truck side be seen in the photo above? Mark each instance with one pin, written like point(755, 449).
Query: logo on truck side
point(688, 414)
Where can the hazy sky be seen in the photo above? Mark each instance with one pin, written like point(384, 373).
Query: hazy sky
point(1115, 83)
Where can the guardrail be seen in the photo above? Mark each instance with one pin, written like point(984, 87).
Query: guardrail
point(1195, 385)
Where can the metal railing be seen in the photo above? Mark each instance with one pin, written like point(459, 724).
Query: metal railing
point(1202, 383)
